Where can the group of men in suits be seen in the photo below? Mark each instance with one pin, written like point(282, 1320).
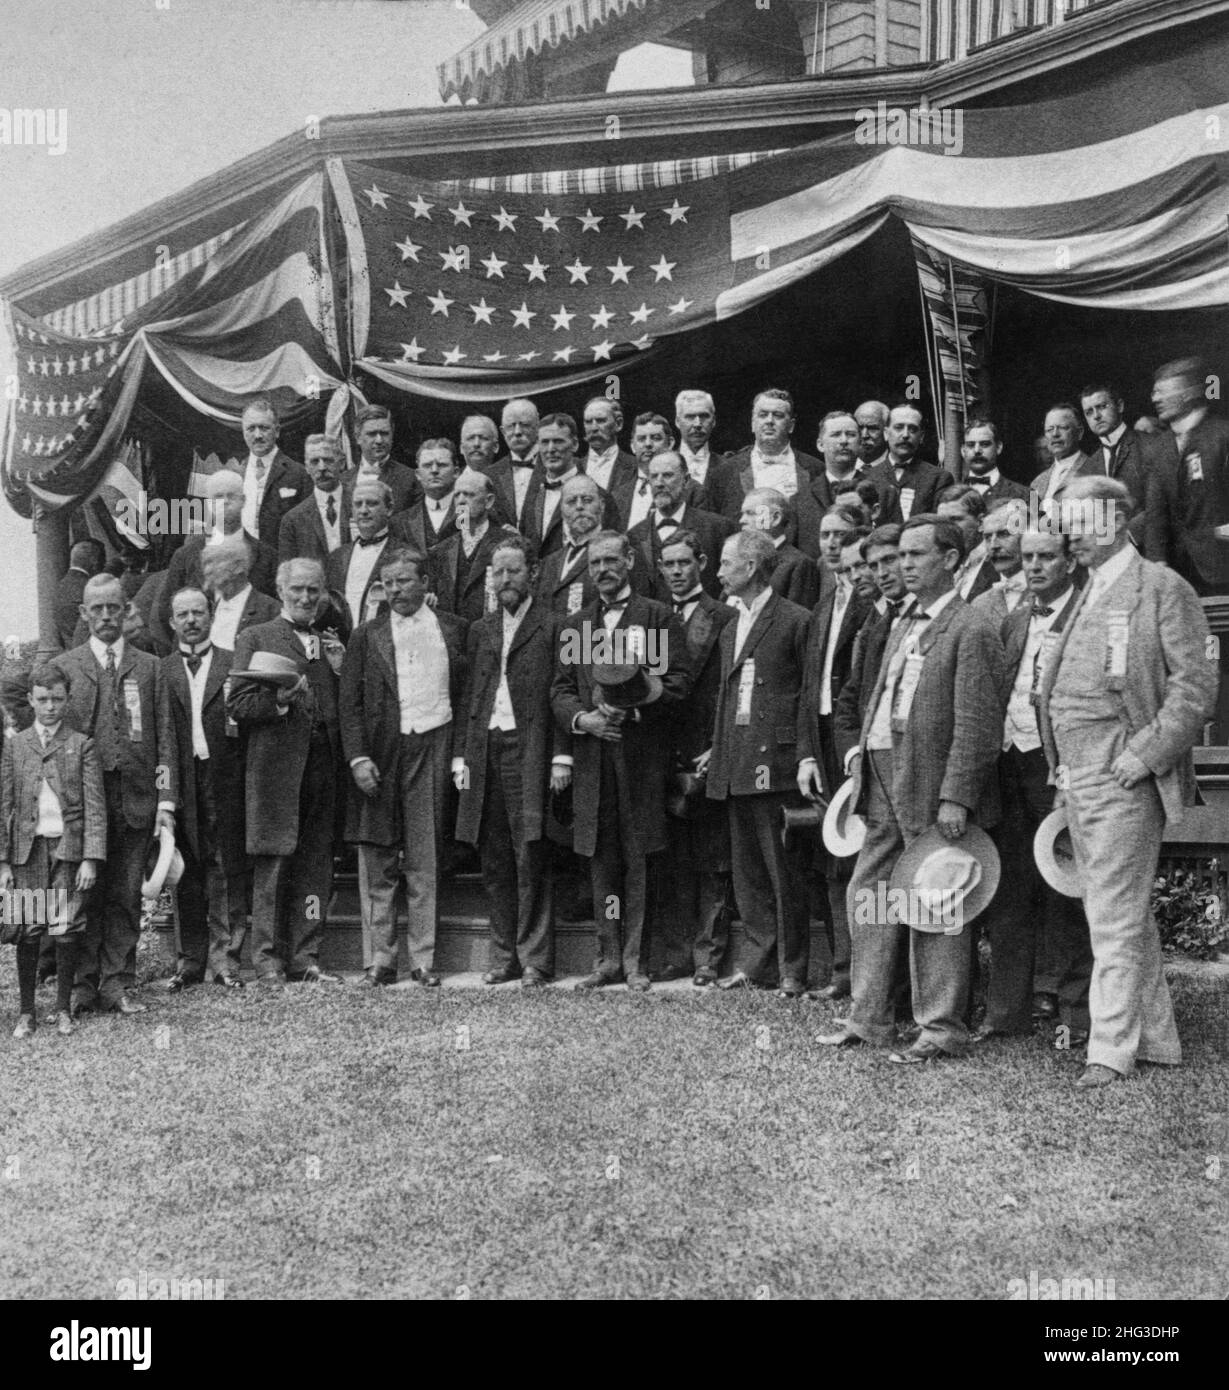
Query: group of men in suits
point(424, 667)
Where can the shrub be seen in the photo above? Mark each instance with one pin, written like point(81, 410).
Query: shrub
point(1190, 915)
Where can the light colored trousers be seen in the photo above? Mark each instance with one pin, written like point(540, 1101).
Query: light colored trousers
point(1116, 835)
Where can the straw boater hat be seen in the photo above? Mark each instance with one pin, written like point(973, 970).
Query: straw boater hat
point(1055, 856)
point(625, 685)
point(270, 667)
point(167, 865)
point(844, 830)
point(961, 875)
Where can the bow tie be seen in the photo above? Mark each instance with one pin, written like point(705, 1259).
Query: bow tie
point(552, 484)
point(1041, 611)
point(894, 606)
point(304, 627)
point(681, 603)
point(979, 481)
point(614, 606)
point(521, 463)
point(375, 540)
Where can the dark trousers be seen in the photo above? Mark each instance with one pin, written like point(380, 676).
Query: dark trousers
point(769, 890)
point(107, 965)
point(836, 872)
point(211, 907)
point(519, 888)
point(620, 885)
point(290, 892)
point(1027, 916)
point(423, 779)
point(692, 891)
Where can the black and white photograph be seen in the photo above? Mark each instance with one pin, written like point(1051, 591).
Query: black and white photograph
point(613, 623)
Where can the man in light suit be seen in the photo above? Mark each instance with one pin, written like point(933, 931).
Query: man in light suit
point(353, 572)
point(507, 755)
point(1064, 427)
point(212, 895)
point(752, 763)
point(1123, 698)
point(273, 482)
point(926, 757)
point(772, 462)
point(672, 512)
point(118, 697)
point(401, 687)
point(291, 779)
point(320, 524)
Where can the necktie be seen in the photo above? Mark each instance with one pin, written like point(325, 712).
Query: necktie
point(109, 702)
point(642, 488)
point(574, 554)
point(43, 736)
point(330, 510)
point(373, 540)
point(1111, 457)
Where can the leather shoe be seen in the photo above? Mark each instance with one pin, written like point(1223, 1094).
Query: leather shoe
point(703, 978)
point(595, 981)
point(380, 978)
point(640, 983)
point(843, 1037)
point(533, 979)
point(25, 1026)
point(425, 977)
point(499, 977)
point(832, 992)
point(180, 981)
point(792, 988)
point(672, 972)
point(739, 980)
point(918, 1053)
point(228, 981)
point(1097, 1075)
point(124, 1005)
point(63, 1021)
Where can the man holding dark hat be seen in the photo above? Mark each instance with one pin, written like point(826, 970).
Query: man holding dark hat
point(622, 668)
point(925, 761)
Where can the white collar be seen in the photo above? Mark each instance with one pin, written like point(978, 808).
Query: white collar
point(1013, 582)
point(1113, 569)
point(266, 459)
point(757, 603)
point(936, 605)
point(1114, 435)
point(1059, 603)
point(784, 459)
point(606, 456)
point(1185, 423)
point(48, 731)
point(992, 478)
point(1066, 462)
point(439, 504)
point(100, 651)
point(698, 454)
point(235, 600)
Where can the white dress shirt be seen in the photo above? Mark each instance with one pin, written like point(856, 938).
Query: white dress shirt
point(986, 480)
point(777, 472)
point(436, 510)
point(747, 614)
point(880, 733)
point(1107, 574)
point(666, 523)
point(698, 463)
point(521, 476)
point(226, 615)
point(642, 502)
point(422, 671)
point(470, 539)
point(552, 496)
point(50, 823)
point(688, 602)
point(1108, 443)
point(1020, 726)
point(1060, 470)
point(502, 716)
point(363, 561)
point(1013, 589)
point(600, 466)
point(254, 484)
point(196, 695)
point(840, 603)
point(332, 534)
point(100, 651)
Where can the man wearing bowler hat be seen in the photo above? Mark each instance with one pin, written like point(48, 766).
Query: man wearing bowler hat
point(621, 670)
point(925, 759)
point(283, 696)
point(1122, 700)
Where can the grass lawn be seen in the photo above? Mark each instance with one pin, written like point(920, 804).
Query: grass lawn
point(333, 1142)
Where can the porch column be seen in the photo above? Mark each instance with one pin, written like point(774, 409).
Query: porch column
point(51, 555)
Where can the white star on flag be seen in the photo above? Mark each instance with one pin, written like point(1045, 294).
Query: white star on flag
point(578, 272)
point(550, 223)
point(523, 315)
point(57, 367)
point(453, 259)
point(506, 220)
point(564, 354)
point(72, 366)
point(641, 315)
point(482, 311)
point(396, 295)
point(537, 271)
point(620, 272)
point(409, 249)
point(662, 269)
point(589, 222)
point(633, 218)
point(440, 303)
point(421, 208)
point(563, 319)
point(641, 343)
point(494, 266)
point(493, 356)
point(527, 356)
point(602, 351)
point(378, 199)
point(677, 213)
point(602, 317)
point(461, 214)
point(682, 306)
point(411, 352)
point(453, 356)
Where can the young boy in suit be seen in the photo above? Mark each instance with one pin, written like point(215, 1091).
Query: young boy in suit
point(53, 836)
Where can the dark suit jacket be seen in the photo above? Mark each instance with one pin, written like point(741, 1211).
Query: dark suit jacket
point(643, 753)
point(984, 580)
point(950, 744)
point(68, 597)
point(226, 760)
point(371, 721)
point(864, 662)
point(554, 587)
point(826, 494)
point(460, 582)
point(287, 486)
point(623, 479)
point(811, 742)
point(338, 566)
point(735, 479)
point(799, 578)
point(147, 763)
point(531, 519)
point(777, 644)
point(694, 727)
point(278, 745)
point(399, 476)
point(712, 530)
point(531, 664)
point(259, 608)
point(185, 570)
point(1003, 491)
point(1184, 507)
point(302, 532)
point(412, 527)
point(500, 474)
point(71, 769)
point(926, 479)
